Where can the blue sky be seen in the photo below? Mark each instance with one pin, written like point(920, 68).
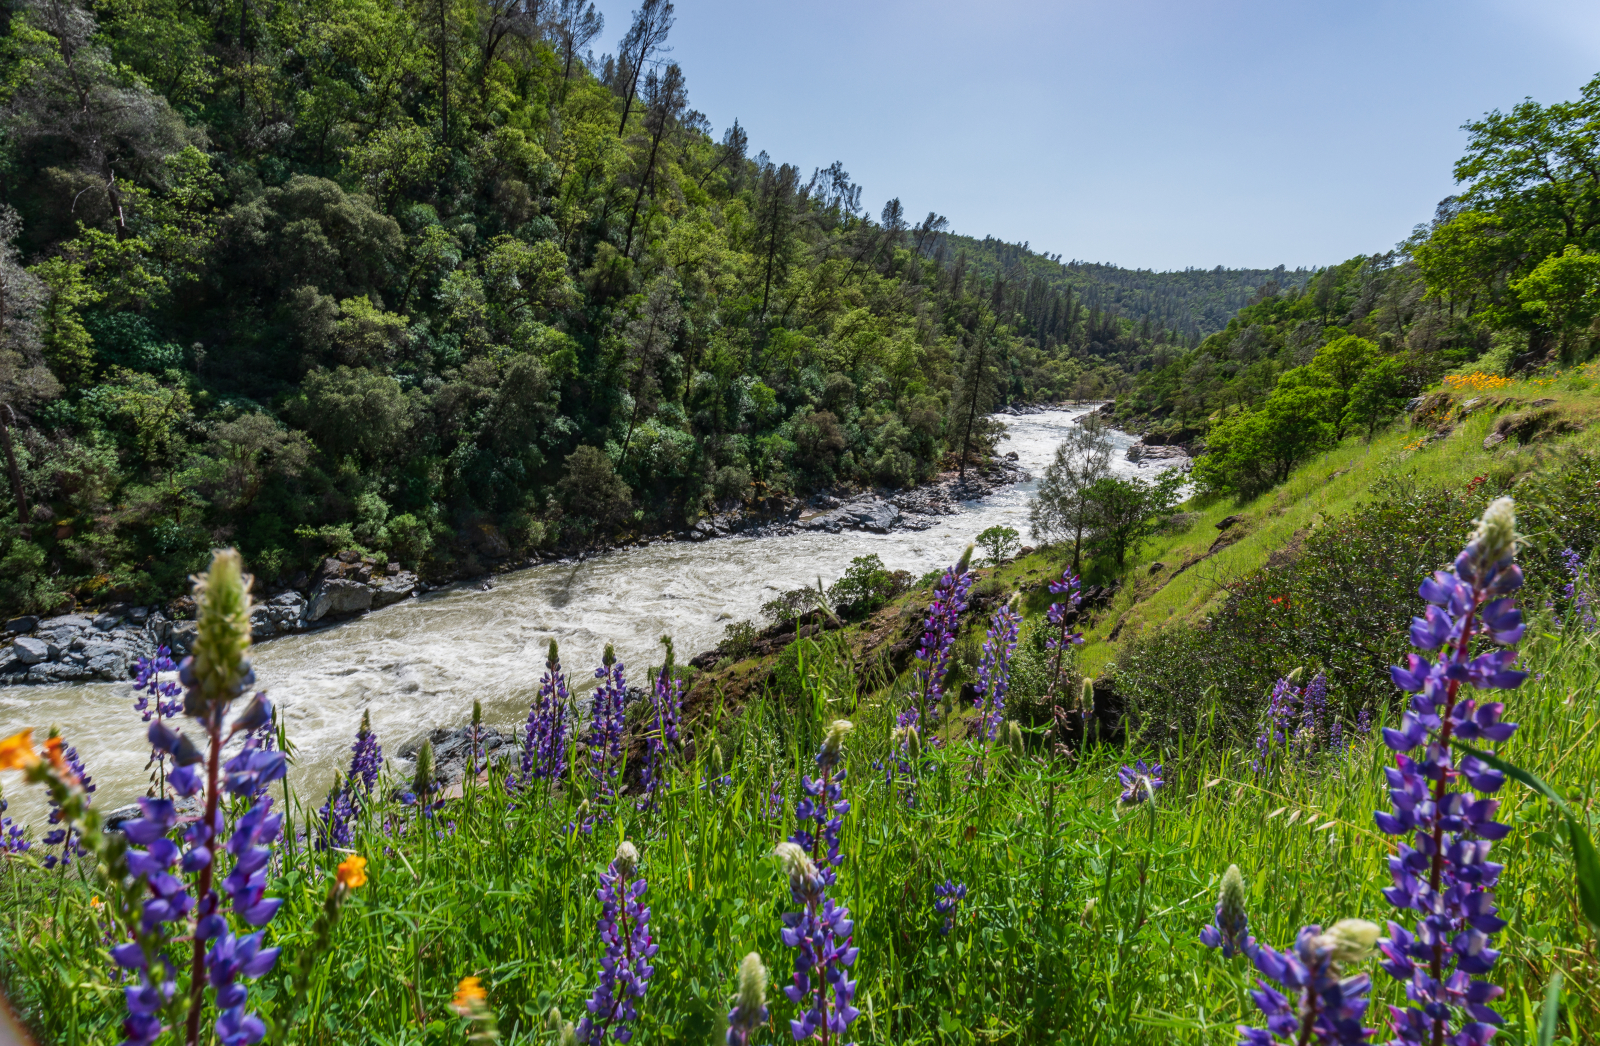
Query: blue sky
point(1148, 133)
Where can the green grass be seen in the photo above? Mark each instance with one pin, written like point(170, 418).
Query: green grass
point(1321, 490)
point(1081, 924)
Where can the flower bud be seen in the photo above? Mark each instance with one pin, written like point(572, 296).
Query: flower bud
point(1231, 898)
point(1496, 536)
point(609, 658)
point(752, 984)
point(553, 657)
point(833, 745)
point(1349, 940)
point(1015, 739)
point(422, 783)
point(1086, 699)
point(220, 669)
point(965, 562)
point(795, 861)
point(627, 859)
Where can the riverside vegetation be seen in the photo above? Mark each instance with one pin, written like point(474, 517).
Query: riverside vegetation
point(930, 883)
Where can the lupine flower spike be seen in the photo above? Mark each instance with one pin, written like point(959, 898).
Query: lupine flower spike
point(935, 650)
point(822, 803)
point(750, 1006)
point(1061, 617)
point(1447, 877)
point(820, 933)
point(947, 896)
point(994, 670)
point(606, 720)
point(1139, 781)
point(1229, 928)
point(624, 928)
point(1322, 1006)
point(544, 750)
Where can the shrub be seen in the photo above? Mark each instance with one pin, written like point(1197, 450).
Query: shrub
point(998, 543)
point(866, 586)
point(737, 640)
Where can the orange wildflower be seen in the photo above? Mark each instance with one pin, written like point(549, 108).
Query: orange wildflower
point(470, 997)
point(16, 752)
point(352, 871)
point(52, 752)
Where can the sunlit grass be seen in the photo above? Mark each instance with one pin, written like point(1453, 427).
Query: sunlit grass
point(1080, 925)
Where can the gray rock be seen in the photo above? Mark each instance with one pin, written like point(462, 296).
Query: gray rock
point(393, 590)
point(77, 622)
point(111, 665)
point(338, 596)
point(106, 622)
point(180, 636)
point(287, 599)
point(30, 651)
point(139, 615)
point(22, 625)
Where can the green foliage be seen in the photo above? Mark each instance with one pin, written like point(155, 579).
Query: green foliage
point(998, 543)
point(866, 585)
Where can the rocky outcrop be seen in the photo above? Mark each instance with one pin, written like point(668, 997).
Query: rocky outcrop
point(866, 512)
point(76, 647)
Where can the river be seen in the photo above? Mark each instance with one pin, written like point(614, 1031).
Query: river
point(419, 664)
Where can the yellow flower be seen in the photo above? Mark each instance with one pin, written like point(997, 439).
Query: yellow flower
point(16, 752)
point(96, 903)
point(470, 996)
point(353, 872)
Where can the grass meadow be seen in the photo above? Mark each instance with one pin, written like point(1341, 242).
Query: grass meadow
point(1080, 925)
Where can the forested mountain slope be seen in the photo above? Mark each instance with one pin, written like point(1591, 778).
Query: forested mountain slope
point(433, 280)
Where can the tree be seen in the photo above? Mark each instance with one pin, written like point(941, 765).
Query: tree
point(575, 25)
point(592, 492)
point(1125, 512)
point(977, 389)
point(998, 543)
point(776, 203)
point(1059, 509)
point(1341, 363)
point(71, 95)
point(646, 36)
point(1377, 396)
point(664, 98)
point(354, 411)
point(648, 338)
point(1564, 291)
point(249, 450)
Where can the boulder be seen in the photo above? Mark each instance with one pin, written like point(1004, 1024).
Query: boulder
point(22, 625)
point(106, 622)
point(180, 636)
point(393, 590)
point(338, 596)
point(111, 665)
point(30, 651)
point(77, 622)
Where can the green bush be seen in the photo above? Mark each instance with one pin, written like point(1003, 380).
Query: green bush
point(866, 586)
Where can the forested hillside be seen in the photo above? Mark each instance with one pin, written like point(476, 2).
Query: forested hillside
point(434, 280)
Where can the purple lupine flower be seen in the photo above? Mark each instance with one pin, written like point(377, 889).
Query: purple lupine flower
point(66, 837)
point(935, 649)
point(157, 698)
point(822, 804)
point(1364, 721)
point(334, 823)
point(607, 717)
point(994, 670)
point(947, 896)
point(367, 756)
point(1229, 928)
point(1139, 781)
point(169, 902)
point(12, 837)
point(1447, 876)
point(666, 705)
point(750, 1006)
point(624, 928)
point(1576, 594)
point(1061, 638)
point(544, 750)
point(773, 806)
point(1274, 736)
point(1313, 714)
point(820, 932)
point(1322, 1007)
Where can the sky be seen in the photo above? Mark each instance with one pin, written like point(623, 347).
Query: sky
point(1146, 133)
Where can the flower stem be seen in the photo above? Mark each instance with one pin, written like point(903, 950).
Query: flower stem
point(197, 964)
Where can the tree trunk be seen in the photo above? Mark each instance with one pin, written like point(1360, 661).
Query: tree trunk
point(972, 409)
point(644, 185)
point(8, 418)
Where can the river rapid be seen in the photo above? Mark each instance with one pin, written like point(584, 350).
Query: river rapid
point(421, 663)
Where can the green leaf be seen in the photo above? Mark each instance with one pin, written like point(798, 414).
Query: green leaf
point(1551, 1009)
point(1587, 864)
